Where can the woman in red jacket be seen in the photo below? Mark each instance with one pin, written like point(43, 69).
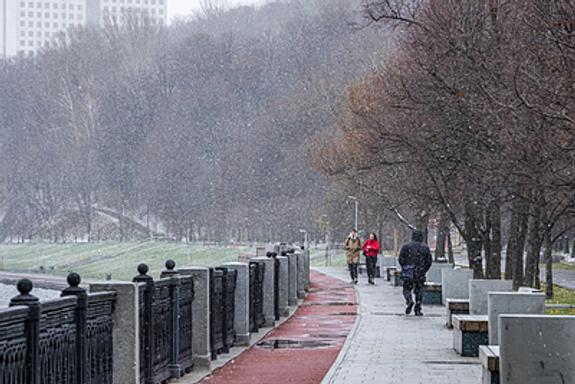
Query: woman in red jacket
point(371, 250)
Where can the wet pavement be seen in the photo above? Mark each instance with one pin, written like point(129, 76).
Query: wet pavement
point(302, 349)
point(388, 347)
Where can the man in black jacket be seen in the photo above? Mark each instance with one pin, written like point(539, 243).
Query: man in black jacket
point(415, 260)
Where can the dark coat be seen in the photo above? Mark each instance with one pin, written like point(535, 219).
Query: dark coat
point(417, 254)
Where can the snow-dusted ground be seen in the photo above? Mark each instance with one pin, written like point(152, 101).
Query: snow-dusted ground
point(9, 291)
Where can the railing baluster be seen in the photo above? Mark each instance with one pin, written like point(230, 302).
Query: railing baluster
point(25, 286)
point(171, 273)
point(147, 328)
point(74, 289)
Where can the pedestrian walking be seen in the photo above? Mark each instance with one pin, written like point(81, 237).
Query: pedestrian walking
point(371, 250)
point(352, 249)
point(415, 260)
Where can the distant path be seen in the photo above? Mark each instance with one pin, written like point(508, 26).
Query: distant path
point(388, 347)
point(562, 277)
point(323, 321)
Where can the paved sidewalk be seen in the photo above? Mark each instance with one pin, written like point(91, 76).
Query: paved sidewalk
point(387, 347)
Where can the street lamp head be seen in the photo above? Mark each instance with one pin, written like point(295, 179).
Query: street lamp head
point(303, 231)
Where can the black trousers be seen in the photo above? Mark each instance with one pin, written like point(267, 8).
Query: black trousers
point(370, 264)
point(352, 270)
point(417, 287)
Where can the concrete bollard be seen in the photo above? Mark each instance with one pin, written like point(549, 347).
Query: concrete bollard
point(536, 349)
point(300, 275)
point(201, 310)
point(434, 273)
point(292, 279)
point(283, 286)
point(478, 290)
point(455, 283)
point(269, 286)
point(126, 333)
point(307, 262)
point(242, 303)
point(500, 303)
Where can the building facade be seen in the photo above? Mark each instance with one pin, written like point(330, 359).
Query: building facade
point(28, 25)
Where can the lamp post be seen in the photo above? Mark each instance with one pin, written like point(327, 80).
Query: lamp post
point(356, 202)
point(304, 237)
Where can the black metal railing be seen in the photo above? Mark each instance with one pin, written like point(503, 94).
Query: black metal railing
point(216, 312)
point(257, 318)
point(62, 341)
point(228, 312)
point(165, 324)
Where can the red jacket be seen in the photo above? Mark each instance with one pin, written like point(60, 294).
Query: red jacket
point(373, 247)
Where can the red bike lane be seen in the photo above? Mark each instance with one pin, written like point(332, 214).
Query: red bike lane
point(302, 349)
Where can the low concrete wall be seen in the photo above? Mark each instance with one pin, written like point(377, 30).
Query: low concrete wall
point(242, 303)
point(269, 287)
point(292, 279)
point(283, 286)
point(434, 273)
point(500, 303)
point(201, 314)
point(478, 290)
point(455, 283)
point(537, 349)
point(126, 333)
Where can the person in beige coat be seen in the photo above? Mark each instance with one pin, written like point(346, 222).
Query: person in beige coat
point(352, 250)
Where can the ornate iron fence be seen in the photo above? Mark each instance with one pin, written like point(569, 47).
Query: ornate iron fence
point(165, 324)
point(228, 312)
point(257, 295)
point(216, 311)
point(63, 341)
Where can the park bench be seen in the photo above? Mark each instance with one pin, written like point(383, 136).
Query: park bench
point(470, 331)
point(389, 272)
point(456, 307)
point(431, 294)
point(396, 278)
point(489, 358)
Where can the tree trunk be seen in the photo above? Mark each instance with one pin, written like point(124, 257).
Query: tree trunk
point(573, 249)
point(441, 236)
point(472, 237)
point(517, 236)
point(494, 261)
point(450, 248)
point(423, 223)
point(548, 264)
point(533, 248)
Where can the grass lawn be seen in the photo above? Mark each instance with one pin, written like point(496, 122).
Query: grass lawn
point(562, 296)
point(96, 260)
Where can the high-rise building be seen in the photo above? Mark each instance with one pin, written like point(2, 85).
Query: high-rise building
point(27, 25)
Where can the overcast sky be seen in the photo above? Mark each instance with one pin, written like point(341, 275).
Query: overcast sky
point(186, 7)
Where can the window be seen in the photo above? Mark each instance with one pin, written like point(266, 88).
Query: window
point(46, 34)
point(30, 24)
point(22, 24)
point(31, 5)
point(47, 25)
point(47, 5)
point(39, 34)
point(22, 43)
point(79, 7)
point(22, 33)
point(22, 14)
point(38, 24)
point(54, 25)
point(30, 14)
point(71, 7)
point(55, 15)
point(55, 6)
point(22, 4)
point(30, 43)
point(30, 33)
point(46, 14)
point(38, 14)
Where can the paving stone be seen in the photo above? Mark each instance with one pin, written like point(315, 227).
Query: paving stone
point(389, 347)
